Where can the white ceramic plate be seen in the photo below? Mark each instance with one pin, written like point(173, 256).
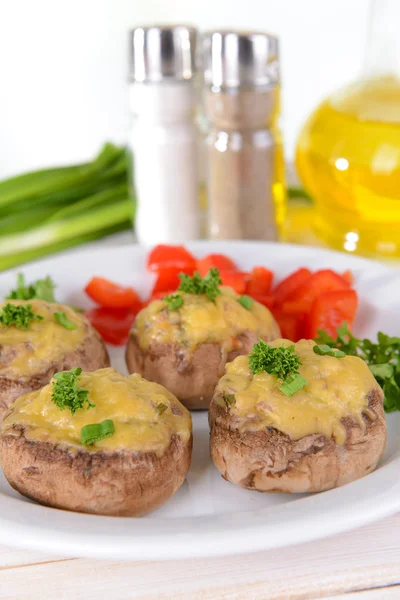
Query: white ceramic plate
point(209, 516)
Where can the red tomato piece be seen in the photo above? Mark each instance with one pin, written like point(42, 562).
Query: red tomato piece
point(235, 280)
point(164, 257)
point(348, 276)
point(320, 282)
point(212, 261)
point(113, 324)
point(295, 308)
point(287, 286)
point(260, 282)
point(167, 279)
point(268, 300)
point(109, 294)
point(330, 310)
point(292, 326)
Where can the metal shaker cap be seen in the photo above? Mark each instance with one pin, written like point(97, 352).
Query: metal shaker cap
point(161, 52)
point(235, 58)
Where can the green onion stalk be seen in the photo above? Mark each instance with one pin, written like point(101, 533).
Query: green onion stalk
point(55, 209)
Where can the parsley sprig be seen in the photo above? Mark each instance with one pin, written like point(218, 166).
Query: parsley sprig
point(174, 301)
point(67, 393)
point(382, 357)
point(18, 315)
point(283, 362)
point(42, 289)
point(195, 284)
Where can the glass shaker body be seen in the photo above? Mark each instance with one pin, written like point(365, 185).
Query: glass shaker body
point(244, 163)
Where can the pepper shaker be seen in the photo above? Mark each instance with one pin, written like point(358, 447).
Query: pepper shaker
point(244, 155)
point(164, 136)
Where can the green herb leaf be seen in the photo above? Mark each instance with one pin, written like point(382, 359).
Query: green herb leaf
point(161, 408)
point(174, 301)
point(67, 393)
point(208, 285)
point(325, 350)
point(293, 384)
point(63, 320)
point(42, 289)
point(246, 301)
point(283, 362)
point(229, 399)
point(18, 315)
point(96, 432)
point(382, 357)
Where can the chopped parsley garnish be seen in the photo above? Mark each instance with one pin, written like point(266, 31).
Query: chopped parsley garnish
point(42, 289)
point(174, 301)
point(246, 301)
point(195, 284)
point(63, 320)
point(325, 350)
point(96, 432)
point(161, 408)
point(283, 362)
point(67, 394)
point(382, 357)
point(18, 315)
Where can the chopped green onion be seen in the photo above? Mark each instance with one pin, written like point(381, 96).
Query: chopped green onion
point(95, 432)
point(161, 408)
point(229, 399)
point(63, 320)
point(325, 350)
point(293, 384)
point(246, 301)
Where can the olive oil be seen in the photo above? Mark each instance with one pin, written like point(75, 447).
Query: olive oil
point(348, 159)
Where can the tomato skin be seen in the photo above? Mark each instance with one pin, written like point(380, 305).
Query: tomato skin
point(164, 257)
point(107, 293)
point(113, 324)
point(330, 310)
point(320, 282)
point(167, 279)
point(291, 326)
point(260, 282)
point(235, 280)
point(289, 285)
point(212, 261)
point(267, 300)
point(348, 276)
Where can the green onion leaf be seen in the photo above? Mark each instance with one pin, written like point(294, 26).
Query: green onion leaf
point(174, 301)
point(63, 320)
point(325, 350)
point(229, 399)
point(293, 384)
point(91, 434)
point(161, 408)
point(246, 301)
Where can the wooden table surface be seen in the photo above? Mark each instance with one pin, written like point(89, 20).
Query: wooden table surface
point(360, 565)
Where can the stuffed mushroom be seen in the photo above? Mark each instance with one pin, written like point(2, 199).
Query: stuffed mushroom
point(37, 339)
point(97, 442)
point(321, 429)
point(185, 341)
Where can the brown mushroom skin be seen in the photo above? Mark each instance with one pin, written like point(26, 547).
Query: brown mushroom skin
point(119, 483)
point(269, 461)
point(90, 355)
point(192, 380)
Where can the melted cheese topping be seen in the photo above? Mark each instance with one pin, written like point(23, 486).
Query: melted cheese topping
point(130, 402)
point(26, 352)
point(200, 320)
point(337, 387)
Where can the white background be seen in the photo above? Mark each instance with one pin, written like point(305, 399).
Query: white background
point(63, 65)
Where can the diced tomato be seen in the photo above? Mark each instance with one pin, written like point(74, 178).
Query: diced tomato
point(294, 307)
point(167, 279)
point(268, 300)
point(165, 257)
point(212, 261)
point(113, 324)
point(320, 282)
point(287, 286)
point(235, 280)
point(348, 276)
point(330, 310)
point(109, 294)
point(292, 326)
point(260, 282)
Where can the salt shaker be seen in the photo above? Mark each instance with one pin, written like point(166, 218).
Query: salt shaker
point(243, 156)
point(164, 136)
